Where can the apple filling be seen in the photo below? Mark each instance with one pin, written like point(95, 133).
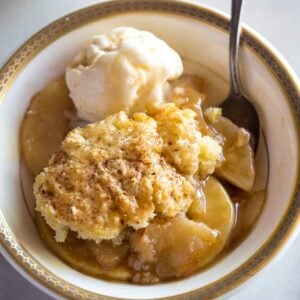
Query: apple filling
point(147, 197)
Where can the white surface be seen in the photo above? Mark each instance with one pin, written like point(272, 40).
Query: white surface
point(278, 282)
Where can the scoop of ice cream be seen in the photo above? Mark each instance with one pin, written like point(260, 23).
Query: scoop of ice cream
point(125, 69)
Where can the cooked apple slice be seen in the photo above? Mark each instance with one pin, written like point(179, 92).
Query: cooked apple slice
point(186, 93)
point(220, 213)
point(46, 124)
point(180, 246)
point(196, 209)
point(176, 248)
point(77, 254)
point(108, 255)
point(238, 167)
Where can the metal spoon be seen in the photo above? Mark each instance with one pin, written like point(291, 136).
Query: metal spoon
point(237, 107)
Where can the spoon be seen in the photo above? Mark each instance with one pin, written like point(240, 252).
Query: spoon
point(237, 107)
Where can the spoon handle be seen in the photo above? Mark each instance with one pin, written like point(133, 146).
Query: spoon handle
point(234, 42)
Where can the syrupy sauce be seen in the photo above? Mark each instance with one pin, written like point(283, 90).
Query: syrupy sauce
point(75, 251)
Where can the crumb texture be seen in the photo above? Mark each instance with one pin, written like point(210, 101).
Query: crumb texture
point(123, 172)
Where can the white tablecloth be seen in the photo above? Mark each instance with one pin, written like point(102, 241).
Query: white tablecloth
point(277, 20)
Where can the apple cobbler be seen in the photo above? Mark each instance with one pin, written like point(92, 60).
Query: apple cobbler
point(145, 193)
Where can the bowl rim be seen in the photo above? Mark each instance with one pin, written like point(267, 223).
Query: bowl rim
point(286, 228)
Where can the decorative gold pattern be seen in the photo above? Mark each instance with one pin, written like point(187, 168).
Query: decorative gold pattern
point(66, 24)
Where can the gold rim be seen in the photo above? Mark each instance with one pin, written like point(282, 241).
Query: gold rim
point(288, 83)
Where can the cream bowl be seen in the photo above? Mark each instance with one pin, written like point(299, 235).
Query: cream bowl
point(200, 36)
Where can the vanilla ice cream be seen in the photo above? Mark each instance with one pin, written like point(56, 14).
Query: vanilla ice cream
point(125, 69)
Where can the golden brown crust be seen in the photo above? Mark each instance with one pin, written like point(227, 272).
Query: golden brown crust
point(110, 175)
point(184, 146)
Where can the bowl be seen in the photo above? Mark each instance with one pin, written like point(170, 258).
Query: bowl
point(200, 36)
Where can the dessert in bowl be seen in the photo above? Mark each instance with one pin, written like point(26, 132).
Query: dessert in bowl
point(157, 130)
